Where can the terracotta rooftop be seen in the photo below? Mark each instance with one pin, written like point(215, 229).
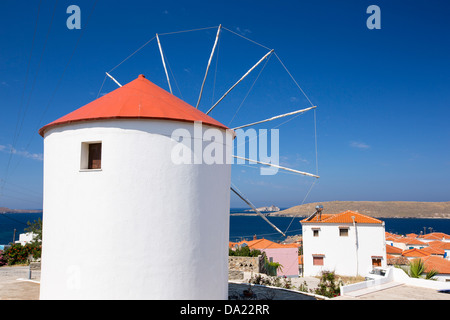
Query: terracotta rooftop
point(343, 217)
point(260, 244)
point(435, 236)
point(437, 263)
point(393, 250)
point(139, 99)
point(411, 253)
point(434, 250)
point(440, 244)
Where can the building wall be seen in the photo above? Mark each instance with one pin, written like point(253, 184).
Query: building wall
point(25, 238)
point(142, 227)
point(340, 254)
point(287, 257)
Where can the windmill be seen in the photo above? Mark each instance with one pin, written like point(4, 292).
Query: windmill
point(109, 164)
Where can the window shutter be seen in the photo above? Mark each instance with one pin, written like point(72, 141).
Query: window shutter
point(317, 261)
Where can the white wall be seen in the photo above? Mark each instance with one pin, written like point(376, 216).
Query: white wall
point(340, 253)
point(25, 238)
point(142, 227)
point(394, 275)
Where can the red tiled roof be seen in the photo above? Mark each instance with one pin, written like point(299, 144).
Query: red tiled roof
point(412, 241)
point(415, 241)
point(437, 263)
point(261, 244)
point(435, 236)
point(393, 250)
point(343, 217)
point(415, 253)
point(440, 244)
point(411, 235)
point(139, 99)
point(434, 250)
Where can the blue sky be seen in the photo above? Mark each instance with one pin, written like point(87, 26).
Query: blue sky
point(382, 95)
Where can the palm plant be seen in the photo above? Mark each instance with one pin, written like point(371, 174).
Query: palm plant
point(417, 268)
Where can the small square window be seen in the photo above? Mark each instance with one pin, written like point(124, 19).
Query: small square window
point(91, 155)
point(343, 232)
point(318, 260)
point(315, 232)
point(376, 262)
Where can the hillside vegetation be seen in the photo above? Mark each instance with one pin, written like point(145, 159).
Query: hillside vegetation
point(376, 209)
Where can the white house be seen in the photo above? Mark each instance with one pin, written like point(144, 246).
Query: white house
point(406, 243)
point(25, 238)
point(348, 243)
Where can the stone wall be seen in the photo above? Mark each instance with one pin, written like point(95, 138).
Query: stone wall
point(246, 264)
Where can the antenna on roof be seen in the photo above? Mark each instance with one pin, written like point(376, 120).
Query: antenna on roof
point(318, 213)
point(319, 209)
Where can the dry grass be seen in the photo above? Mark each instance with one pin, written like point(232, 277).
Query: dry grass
point(349, 280)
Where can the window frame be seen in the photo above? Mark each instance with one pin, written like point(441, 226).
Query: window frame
point(346, 233)
point(315, 232)
point(318, 258)
point(86, 156)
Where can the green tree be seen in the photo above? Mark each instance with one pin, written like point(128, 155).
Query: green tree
point(244, 251)
point(36, 228)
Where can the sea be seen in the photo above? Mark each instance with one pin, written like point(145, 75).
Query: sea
point(245, 226)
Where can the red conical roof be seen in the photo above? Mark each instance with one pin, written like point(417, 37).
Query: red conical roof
point(139, 99)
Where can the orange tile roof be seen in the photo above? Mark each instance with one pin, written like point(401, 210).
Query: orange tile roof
point(261, 244)
point(393, 250)
point(139, 99)
point(415, 253)
point(343, 217)
point(437, 263)
point(407, 241)
point(411, 235)
point(434, 250)
point(390, 238)
point(392, 235)
point(440, 244)
point(415, 241)
point(435, 236)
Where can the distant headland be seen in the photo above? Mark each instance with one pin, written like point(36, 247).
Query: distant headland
point(8, 210)
point(271, 208)
point(376, 209)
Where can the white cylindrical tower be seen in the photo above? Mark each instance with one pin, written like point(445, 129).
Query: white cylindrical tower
point(131, 208)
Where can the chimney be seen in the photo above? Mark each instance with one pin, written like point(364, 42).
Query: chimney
point(254, 237)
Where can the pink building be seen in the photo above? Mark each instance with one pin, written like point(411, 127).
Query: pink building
point(284, 254)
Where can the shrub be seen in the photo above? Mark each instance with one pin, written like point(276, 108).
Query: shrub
point(244, 252)
point(327, 285)
point(18, 254)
